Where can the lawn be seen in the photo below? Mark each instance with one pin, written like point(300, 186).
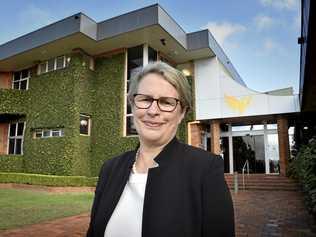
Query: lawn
point(24, 207)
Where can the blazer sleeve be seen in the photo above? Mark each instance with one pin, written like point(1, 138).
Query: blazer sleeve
point(218, 211)
point(104, 173)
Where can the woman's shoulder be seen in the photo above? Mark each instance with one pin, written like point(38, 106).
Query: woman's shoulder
point(199, 157)
point(119, 159)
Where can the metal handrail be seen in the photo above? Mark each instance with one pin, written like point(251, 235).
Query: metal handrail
point(246, 165)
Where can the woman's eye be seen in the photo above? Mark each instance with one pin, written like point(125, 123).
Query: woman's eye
point(146, 99)
point(166, 102)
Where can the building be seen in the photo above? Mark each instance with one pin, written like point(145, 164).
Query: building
point(306, 126)
point(63, 107)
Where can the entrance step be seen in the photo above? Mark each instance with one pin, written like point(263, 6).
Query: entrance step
point(263, 182)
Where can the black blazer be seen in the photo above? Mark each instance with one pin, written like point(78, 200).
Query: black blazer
point(186, 196)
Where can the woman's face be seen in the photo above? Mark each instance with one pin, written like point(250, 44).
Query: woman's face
point(154, 126)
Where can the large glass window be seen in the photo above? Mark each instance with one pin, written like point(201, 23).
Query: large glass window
point(21, 80)
point(16, 131)
point(251, 149)
point(135, 61)
point(152, 55)
point(273, 153)
point(225, 152)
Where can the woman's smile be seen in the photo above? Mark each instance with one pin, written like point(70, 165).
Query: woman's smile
point(153, 124)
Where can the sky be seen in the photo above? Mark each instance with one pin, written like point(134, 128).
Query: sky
point(258, 36)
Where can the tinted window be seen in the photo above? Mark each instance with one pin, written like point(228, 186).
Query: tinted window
point(12, 129)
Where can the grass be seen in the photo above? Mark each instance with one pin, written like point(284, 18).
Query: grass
point(25, 207)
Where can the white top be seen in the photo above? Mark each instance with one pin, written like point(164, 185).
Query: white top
point(126, 219)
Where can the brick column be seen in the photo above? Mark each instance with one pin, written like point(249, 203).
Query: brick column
point(194, 134)
point(3, 138)
point(5, 80)
point(215, 137)
point(284, 150)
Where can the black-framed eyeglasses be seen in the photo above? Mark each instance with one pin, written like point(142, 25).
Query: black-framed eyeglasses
point(165, 104)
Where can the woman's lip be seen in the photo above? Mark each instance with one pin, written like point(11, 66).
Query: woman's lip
point(152, 124)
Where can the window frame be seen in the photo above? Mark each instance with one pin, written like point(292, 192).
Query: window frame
point(50, 130)
point(21, 79)
point(89, 124)
point(15, 137)
point(55, 65)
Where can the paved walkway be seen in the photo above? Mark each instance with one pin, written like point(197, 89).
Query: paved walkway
point(257, 213)
point(271, 213)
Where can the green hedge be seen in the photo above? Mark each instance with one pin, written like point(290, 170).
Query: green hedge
point(11, 163)
point(47, 180)
point(303, 168)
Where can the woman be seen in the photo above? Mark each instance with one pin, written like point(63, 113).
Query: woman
point(164, 187)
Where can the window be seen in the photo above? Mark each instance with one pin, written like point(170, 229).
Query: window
point(135, 61)
point(272, 126)
point(21, 80)
point(85, 122)
point(46, 133)
point(152, 55)
point(16, 131)
point(52, 64)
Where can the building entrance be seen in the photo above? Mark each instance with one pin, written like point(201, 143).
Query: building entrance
point(257, 144)
point(249, 148)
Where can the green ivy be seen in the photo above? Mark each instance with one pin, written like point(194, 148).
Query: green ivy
point(182, 132)
point(11, 163)
point(303, 168)
point(107, 131)
point(55, 100)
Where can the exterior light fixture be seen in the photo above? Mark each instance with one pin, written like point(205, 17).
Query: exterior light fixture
point(305, 127)
point(83, 122)
point(186, 72)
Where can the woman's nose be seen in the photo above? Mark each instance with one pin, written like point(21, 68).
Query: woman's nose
point(153, 109)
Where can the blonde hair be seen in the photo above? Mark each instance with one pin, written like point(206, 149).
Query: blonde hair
point(171, 75)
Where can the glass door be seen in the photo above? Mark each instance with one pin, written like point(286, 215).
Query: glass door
point(251, 148)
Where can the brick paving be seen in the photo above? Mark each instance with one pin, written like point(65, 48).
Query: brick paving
point(257, 213)
point(271, 213)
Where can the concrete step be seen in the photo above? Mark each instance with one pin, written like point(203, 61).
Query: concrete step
point(263, 182)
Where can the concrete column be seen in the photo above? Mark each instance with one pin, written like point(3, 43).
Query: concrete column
point(215, 137)
point(194, 134)
point(284, 149)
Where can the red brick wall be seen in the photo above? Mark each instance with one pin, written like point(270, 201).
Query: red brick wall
point(5, 80)
point(215, 137)
point(284, 150)
point(3, 138)
point(195, 134)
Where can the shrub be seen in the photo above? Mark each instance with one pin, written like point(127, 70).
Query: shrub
point(303, 168)
point(47, 180)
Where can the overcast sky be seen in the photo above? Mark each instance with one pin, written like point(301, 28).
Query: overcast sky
point(259, 36)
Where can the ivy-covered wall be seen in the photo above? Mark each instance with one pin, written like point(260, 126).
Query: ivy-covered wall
point(107, 129)
point(182, 132)
point(52, 105)
point(50, 102)
point(55, 100)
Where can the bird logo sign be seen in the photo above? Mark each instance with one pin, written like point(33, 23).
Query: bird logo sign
point(238, 104)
